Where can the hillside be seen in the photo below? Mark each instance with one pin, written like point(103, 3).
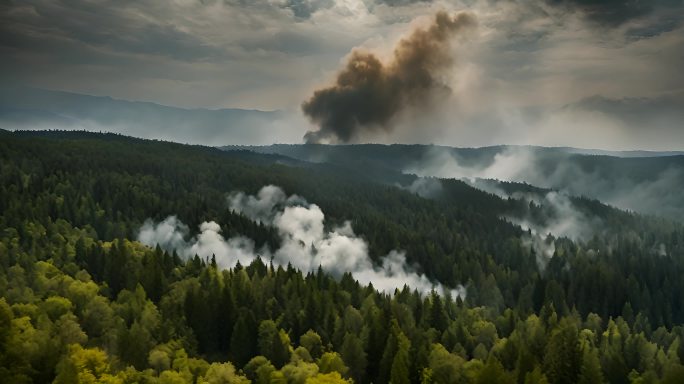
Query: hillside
point(645, 182)
point(148, 261)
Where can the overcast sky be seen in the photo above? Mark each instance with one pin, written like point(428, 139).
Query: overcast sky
point(578, 73)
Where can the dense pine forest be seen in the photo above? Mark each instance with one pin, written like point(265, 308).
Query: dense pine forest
point(83, 301)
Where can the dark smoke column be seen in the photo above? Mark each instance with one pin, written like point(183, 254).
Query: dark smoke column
point(367, 94)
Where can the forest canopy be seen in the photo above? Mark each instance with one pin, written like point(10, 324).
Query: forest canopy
point(84, 299)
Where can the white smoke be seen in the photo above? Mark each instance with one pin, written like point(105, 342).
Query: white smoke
point(662, 250)
point(264, 206)
point(544, 249)
point(562, 218)
point(427, 187)
point(553, 170)
point(305, 243)
point(565, 219)
point(170, 235)
point(508, 165)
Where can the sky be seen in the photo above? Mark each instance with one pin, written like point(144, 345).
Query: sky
point(592, 74)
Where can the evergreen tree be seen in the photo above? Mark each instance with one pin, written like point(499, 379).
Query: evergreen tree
point(272, 345)
point(562, 360)
point(591, 367)
point(243, 340)
point(401, 365)
point(354, 356)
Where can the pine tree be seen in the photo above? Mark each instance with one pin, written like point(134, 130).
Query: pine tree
point(272, 345)
point(438, 316)
point(493, 372)
point(590, 373)
point(388, 354)
point(401, 363)
point(354, 356)
point(563, 357)
point(243, 340)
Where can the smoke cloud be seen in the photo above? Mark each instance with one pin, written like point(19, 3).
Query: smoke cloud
point(305, 243)
point(171, 233)
point(544, 249)
point(554, 214)
point(563, 219)
point(656, 193)
point(510, 164)
point(560, 216)
point(368, 93)
point(427, 187)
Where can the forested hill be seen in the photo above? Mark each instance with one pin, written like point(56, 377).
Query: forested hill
point(645, 182)
point(599, 300)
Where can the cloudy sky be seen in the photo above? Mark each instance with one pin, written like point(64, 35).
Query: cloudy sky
point(598, 74)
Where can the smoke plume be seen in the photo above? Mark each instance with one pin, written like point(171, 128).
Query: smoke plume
point(305, 243)
point(171, 233)
point(564, 220)
point(561, 217)
point(368, 93)
point(623, 187)
point(554, 212)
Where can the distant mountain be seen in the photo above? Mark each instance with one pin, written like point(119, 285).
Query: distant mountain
point(641, 181)
point(633, 153)
point(316, 152)
point(30, 108)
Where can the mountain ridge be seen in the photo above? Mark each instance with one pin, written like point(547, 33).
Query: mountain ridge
point(33, 108)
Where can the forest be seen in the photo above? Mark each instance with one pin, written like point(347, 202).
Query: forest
point(82, 300)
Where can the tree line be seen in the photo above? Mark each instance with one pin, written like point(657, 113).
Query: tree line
point(81, 300)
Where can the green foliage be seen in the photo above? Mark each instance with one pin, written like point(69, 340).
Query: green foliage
point(562, 359)
point(493, 372)
point(332, 362)
point(312, 342)
point(591, 366)
point(327, 378)
point(401, 365)
point(273, 344)
point(353, 354)
point(84, 366)
point(81, 301)
point(444, 366)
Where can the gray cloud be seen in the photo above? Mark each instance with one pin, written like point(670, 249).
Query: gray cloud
point(614, 13)
point(304, 8)
point(191, 54)
point(637, 112)
point(115, 26)
point(397, 3)
point(608, 12)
